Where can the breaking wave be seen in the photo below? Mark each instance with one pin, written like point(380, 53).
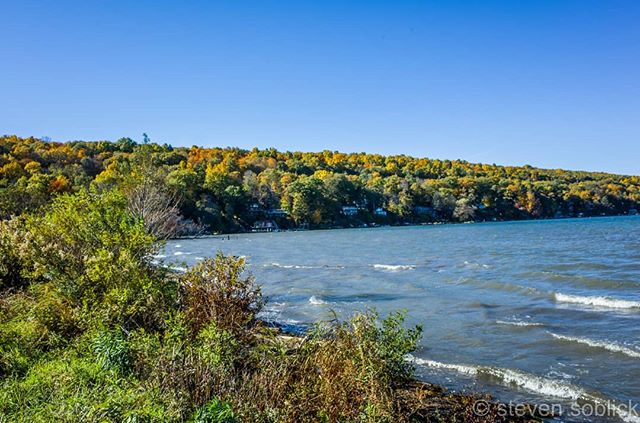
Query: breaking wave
point(316, 301)
point(535, 384)
point(599, 344)
point(597, 301)
point(476, 265)
point(529, 382)
point(518, 323)
point(291, 266)
point(393, 267)
point(301, 266)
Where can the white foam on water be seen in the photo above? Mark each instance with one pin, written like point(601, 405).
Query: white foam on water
point(316, 301)
point(518, 323)
point(599, 344)
point(476, 265)
point(302, 266)
point(468, 370)
point(535, 384)
point(199, 258)
point(529, 382)
point(597, 301)
point(273, 310)
point(625, 414)
point(181, 253)
point(393, 267)
point(292, 266)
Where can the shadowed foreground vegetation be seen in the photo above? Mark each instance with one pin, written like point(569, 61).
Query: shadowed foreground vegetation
point(92, 329)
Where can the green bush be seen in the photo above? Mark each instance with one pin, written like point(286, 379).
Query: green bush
point(13, 263)
point(20, 345)
point(98, 257)
point(218, 348)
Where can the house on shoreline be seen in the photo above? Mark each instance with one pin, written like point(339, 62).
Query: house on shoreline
point(265, 226)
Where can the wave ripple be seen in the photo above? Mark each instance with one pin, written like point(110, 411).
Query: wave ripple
point(597, 301)
point(599, 344)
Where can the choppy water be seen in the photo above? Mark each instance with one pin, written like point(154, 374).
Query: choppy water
point(537, 311)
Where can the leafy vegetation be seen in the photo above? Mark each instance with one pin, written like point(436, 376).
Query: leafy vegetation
point(229, 189)
point(92, 330)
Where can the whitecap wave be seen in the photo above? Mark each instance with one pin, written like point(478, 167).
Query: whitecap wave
point(393, 267)
point(181, 253)
point(599, 344)
point(476, 265)
point(625, 414)
point(292, 266)
point(532, 383)
point(529, 382)
point(316, 301)
point(518, 323)
point(302, 266)
point(460, 368)
point(597, 301)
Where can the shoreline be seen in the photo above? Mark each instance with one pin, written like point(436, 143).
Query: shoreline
point(422, 401)
point(403, 225)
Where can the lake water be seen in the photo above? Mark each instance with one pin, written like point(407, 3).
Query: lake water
point(537, 311)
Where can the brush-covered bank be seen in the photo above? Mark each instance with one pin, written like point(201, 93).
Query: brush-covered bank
point(91, 329)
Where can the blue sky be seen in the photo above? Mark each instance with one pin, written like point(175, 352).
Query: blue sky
point(547, 83)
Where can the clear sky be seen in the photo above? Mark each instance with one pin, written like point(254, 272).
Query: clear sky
point(548, 83)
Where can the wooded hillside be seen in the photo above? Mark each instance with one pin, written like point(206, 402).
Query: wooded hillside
point(231, 189)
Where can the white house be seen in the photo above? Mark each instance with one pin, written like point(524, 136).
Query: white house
point(380, 212)
point(349, 210)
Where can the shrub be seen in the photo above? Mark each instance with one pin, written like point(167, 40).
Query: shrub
point(54, 313)
point(98, 257)
point(341, 372)
point(218, 348)
point(216, 291)
point(20, 345)
point(13, 263)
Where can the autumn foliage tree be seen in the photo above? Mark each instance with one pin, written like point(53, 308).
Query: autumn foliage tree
point(229, 189)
